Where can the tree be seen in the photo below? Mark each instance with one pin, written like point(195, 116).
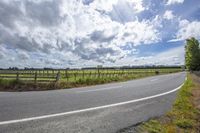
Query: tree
point(192, 55)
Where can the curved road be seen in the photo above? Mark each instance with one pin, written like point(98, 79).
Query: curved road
point(102, 108)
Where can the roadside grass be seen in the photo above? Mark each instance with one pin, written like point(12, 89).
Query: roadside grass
point(184, 116)
point(20, 85)
point(74, 78)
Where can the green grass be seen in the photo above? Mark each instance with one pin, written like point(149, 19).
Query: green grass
point(153, 126)
point(182, 118)
point(4, 82)
point(75, 78)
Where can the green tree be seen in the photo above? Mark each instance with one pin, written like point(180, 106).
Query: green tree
point(192, 55)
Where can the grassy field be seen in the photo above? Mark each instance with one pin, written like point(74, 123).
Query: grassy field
point(185, 114)
point(27, 80)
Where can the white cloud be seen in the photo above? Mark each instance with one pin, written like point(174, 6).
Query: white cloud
point(168, 15)
point(107, 5)
point(137, 5)
point(2, 55)
point(23, 55)
point(174, 56)
point(72, 27)
point(187, 29)
point(103, 5)
point(138, 33)
point(171, 2)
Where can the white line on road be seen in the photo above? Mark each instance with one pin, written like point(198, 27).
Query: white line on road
point(89, 109)
point(153, 80)
point(101, 89)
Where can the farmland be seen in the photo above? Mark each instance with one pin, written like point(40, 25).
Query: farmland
point(68, 78)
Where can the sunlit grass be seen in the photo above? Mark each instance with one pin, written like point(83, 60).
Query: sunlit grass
point(73, 78)
point(182, 118)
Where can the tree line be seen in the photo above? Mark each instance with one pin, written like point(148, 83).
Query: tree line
point(192, 54)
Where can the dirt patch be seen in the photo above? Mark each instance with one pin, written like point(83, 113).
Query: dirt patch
point(196, 95)
point(196, 91)
point(196, 98)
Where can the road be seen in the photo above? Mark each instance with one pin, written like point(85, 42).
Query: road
point(100, 109)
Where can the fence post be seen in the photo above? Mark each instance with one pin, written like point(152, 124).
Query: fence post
point(17, 76)
point(35, 78)
point(90, 74)
point(75, 75)
point(58, 77)
point(66, 74)
point(83, 74)
point(98, 73)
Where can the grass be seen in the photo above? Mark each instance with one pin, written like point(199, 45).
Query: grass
point(78, 80)
point(14, 85)
point(184, 116)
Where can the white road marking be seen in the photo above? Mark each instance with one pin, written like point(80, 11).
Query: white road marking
point(89, 109)
point(153, 80)
point(101, 89)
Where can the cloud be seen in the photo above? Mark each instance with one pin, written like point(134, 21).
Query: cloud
point(108, 6)
point(126, 10)
point(103, 5)
point(102, 36)
point(168, 15)
point(172, 2)
point(138, 33)
point(87, 2)
point(174, 56)
point(187, 29)
point(2, 55)
point(64, 33)
point(23, 55)
point(2, 52)
point(84, 29)
point(52, 62)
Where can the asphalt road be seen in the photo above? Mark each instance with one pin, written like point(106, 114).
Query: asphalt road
point(100, 109)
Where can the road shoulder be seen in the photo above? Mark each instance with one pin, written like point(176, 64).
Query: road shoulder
point(184, 115)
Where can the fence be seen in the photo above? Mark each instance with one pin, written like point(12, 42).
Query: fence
point(73, 75)
point(30, 76)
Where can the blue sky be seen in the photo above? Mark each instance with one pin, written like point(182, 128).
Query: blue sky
point(84, 33)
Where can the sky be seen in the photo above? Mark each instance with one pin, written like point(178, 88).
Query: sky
point(87, 33)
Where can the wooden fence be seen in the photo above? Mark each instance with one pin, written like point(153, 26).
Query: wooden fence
point(30, 76)
point(73, 75)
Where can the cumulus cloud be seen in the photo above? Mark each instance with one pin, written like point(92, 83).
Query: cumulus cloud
point(174, 56)
point(171, 2)
point(2, 52)
point(187, 29)
point(2, 55)
point(103, 5)
point(52, 62)
point(84, 29)
point(23, 55)
point(138, 33)
point(126, 10)
point(168, 15)
point(108, 6)
point(77, 32)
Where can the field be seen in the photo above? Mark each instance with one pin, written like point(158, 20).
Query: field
point(72, 78)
